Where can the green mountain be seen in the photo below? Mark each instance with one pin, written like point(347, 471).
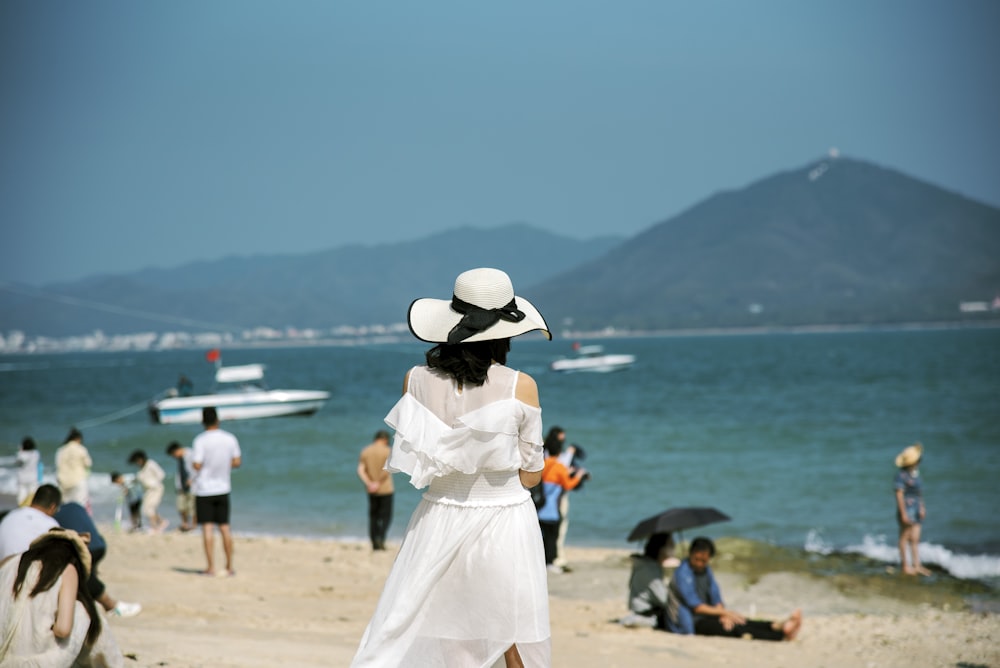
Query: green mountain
point(349, 285)
point(839, 241)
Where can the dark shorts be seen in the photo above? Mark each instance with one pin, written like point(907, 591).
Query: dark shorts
point(212, 509)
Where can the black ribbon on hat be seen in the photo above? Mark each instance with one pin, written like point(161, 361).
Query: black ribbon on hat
point(476, 319)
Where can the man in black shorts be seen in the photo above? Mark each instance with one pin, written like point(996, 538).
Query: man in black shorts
point(216, 454)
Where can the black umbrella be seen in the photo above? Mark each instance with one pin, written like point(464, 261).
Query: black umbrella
point(676, 519)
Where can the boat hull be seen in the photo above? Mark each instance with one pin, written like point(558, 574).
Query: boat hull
point(238, 405)
point(595, 364)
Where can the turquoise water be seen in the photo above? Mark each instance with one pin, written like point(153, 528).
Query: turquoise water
point(793, 436)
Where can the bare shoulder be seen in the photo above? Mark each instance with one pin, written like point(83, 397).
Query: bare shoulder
point(526, 389)
point(406, 381)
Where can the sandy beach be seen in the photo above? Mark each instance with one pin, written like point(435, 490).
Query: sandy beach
point(302, 602)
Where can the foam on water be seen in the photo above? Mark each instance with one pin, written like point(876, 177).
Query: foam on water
point(103, 494)
point(879, 548)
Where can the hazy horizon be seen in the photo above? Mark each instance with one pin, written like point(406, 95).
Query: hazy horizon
point(161, 134)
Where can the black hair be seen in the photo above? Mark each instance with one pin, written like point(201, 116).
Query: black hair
point(173, 447)
point(56, 556)
point(468, 363)
point(553, 444)
point(382, 435)
point(137, 457)
point(28, 443)
point(73, 435)
point(46, 496)
point(209, 416)
point(655, 543)
point(702, 544)
point(115, 474)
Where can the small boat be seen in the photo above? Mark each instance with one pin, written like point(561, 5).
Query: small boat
point(240, 394)
point(592, 359)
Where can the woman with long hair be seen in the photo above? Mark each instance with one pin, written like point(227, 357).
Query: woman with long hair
point(468, 587)
point(47, 616)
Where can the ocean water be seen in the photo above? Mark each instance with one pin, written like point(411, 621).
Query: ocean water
point(793, 436)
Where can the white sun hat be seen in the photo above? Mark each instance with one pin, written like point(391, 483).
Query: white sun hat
point(482, 308)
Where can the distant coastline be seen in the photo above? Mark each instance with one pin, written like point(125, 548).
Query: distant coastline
point(399, 333)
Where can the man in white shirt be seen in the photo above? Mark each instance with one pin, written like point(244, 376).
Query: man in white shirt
point(216, 454)
point(22, 525)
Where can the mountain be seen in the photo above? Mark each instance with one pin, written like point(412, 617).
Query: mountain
point(349, 285)
point(837, 241)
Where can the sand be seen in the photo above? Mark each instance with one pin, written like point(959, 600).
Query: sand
point(298, 602)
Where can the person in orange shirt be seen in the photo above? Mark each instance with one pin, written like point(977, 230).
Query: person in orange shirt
point(557, 480)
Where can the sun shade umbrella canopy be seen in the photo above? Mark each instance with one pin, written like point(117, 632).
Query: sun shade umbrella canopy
point(676, 519)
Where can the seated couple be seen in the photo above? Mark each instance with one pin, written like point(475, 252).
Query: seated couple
point(692, 603)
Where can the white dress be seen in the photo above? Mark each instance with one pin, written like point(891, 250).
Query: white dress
point(26, 638)
point(469, 580)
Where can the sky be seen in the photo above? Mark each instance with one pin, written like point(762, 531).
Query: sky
point(160, 133)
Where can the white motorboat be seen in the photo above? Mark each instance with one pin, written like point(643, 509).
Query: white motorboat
point(240, 395)
point(592, 359)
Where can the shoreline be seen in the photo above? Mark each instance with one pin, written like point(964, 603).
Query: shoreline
point(566, 335)
point(306, 602)
point(751, 558)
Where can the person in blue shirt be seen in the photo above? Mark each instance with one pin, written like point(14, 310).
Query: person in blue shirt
point(74, 516)
point(695, 606)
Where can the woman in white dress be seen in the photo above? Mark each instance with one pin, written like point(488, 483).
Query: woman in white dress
point(47, 617)
point(468, 588)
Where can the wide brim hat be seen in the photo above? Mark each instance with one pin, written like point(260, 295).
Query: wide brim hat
point(75, 539)
point(910, 455)
point(495, 313)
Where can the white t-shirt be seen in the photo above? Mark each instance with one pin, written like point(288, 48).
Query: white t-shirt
point(21, 526)
point(215, 450)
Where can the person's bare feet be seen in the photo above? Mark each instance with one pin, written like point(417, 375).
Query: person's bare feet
point(920, 570)
point(909, 570)
point(792, 625)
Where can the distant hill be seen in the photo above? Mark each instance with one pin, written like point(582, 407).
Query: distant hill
point(838, 241)
point(349, 285)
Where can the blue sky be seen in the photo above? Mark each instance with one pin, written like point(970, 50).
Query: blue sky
point(157, 133)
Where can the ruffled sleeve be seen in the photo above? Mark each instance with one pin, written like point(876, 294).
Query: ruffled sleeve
point(529, 442)
point(484, 440)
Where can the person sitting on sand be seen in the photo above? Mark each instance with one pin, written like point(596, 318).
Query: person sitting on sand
point(910, 509)
point(647, 590)
point(22, 525)
point(75, 517)
point(47, 619)
point(694, 603)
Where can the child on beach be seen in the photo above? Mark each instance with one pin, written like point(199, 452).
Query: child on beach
point(910, 509)
point(150, 476)
point(131, 497)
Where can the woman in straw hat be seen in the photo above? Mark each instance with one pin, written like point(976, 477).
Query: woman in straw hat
point(47, 619)
point(468, 587)
point(910, 507)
